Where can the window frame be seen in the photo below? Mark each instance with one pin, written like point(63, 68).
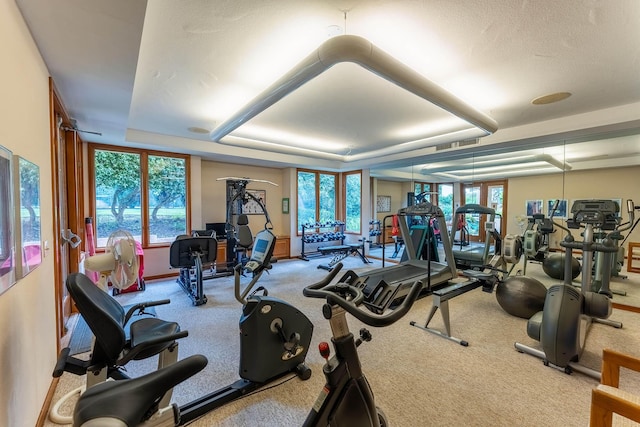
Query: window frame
point(343, 197)
point(317, 194)
point(144, 186)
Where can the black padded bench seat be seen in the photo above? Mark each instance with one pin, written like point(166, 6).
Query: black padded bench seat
point(337, 248)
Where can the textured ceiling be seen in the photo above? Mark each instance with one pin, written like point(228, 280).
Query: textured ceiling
point(143, 74)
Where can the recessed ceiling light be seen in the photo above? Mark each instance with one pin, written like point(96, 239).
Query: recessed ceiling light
point(551, 98)
point(195, 129)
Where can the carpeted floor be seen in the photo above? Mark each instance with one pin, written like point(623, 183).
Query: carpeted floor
point(418, 378)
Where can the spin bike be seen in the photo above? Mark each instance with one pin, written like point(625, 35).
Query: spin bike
point(568, 313)
point(345, 400)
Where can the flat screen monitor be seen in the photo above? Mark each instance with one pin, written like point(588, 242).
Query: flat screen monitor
point(219, 228)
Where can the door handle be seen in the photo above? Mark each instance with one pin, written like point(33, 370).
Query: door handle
point(71, 238)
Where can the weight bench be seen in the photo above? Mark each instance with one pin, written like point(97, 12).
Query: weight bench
point(442, 296)
point(340, 252)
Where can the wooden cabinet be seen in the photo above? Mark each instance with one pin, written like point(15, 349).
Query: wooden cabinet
point(221, 256)
point(281, 251)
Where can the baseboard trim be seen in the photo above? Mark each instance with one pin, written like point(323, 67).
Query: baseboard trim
point(625, 307)
point(44, 411)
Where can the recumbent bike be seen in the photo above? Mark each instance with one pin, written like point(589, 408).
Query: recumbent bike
point(274, 342)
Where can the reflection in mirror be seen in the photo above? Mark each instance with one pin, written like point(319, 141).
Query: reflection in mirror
point(29, 255)
point(536, 173)
point(7, 259)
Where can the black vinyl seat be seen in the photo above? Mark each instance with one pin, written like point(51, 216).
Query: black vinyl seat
point(244, 236)
point(127, 402)
point(244, 240)
point(107, 319)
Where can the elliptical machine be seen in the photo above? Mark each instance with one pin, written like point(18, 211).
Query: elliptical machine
point(568, 313)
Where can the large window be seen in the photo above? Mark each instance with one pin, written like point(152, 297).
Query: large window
point(141, 192)
point(353, 201)
point(316, 197)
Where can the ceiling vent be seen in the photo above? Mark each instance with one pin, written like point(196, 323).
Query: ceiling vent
point(468, 142)
point(443, 147)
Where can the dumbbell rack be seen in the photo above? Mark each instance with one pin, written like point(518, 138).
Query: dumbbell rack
point(375, 233)
point(316, 236)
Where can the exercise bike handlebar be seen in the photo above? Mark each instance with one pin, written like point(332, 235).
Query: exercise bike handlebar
point(323, 289)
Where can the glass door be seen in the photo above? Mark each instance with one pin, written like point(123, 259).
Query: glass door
point(495, 199)
point(472, 225)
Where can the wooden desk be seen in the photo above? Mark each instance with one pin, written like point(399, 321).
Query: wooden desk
point(281, 250)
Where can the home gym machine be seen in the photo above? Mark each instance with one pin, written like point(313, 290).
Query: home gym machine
point(274, 342)
point(563, 324)
point(240, 203)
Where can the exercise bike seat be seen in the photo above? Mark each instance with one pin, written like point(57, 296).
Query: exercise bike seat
point(125, 402)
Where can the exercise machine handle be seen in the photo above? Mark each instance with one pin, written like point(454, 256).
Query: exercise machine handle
point(322, 289)
point(315, 290)
point(140, 307)
point(379, 320)
point(58, 370)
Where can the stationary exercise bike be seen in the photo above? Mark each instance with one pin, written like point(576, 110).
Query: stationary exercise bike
point(568, 313)
point(274, 340)
point(345, 400)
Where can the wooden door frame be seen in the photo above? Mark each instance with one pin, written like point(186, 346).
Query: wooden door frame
point(483, 201)
point(75, 199)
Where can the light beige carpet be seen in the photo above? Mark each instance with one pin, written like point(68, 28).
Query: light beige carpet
point(418, 379)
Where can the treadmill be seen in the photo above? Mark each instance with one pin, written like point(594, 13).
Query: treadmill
point(385, 287)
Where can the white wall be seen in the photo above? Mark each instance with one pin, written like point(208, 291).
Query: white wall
point(27, 310)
